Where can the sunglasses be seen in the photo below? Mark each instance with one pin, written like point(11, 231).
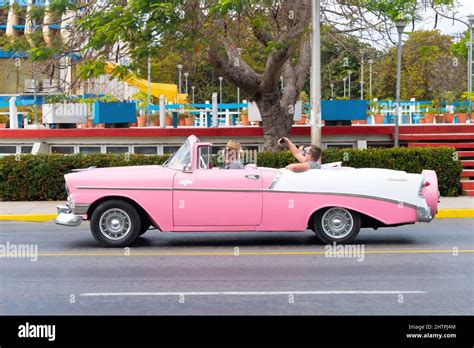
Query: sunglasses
point(304, 152)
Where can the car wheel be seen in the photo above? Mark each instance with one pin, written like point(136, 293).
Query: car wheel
point(336, 225)
point(115, 223)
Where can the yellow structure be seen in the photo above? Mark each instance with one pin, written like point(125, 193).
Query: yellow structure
point(170, 91)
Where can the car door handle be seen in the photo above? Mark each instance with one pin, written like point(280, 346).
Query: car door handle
point(253, 176)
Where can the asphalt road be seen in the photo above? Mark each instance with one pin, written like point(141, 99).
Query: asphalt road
point(420, 269)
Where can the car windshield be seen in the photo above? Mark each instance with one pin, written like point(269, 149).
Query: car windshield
point(180, 158)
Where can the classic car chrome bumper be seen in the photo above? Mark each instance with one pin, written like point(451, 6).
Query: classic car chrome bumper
point(423, 214)
point(66, 218)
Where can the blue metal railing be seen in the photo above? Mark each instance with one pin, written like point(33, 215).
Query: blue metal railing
point(412, 111)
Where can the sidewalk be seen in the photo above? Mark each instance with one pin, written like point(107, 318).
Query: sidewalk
point(449, 207)
point(29, 211)
point(462, 202)
point(456, 207)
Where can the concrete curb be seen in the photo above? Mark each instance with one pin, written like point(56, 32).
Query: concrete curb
point(442, 214)
point(29, 217)
point(455, 213)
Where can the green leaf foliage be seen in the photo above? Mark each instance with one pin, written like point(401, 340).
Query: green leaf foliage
point(41, 177)
point(412, 160)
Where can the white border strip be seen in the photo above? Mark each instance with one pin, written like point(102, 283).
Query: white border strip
point(255, 293)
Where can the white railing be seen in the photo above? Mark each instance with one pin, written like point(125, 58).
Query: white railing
point(224, 118)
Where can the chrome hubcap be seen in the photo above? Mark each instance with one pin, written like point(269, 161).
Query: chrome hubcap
point(115, 224)
point(337, 222)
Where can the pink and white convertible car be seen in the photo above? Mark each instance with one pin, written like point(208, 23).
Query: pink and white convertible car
point(187, 195)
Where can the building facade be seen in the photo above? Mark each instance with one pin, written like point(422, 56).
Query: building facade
point(18, 75)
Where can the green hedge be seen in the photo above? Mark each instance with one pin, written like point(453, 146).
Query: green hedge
point(41, 177)
point(442, 160)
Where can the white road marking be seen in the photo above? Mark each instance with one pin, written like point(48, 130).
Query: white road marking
point(254, 293)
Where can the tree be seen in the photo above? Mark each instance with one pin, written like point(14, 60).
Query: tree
point(385, 75)
point(274, 36)
point(278, 30)
point(428, 68)
point(460, 49)
point(337, 49)
point(448, 75)
point(339, 53)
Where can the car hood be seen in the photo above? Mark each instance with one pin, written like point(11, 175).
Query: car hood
point(120, 176)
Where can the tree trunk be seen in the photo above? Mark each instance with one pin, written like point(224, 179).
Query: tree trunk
point(276, 107)
point(276, 121)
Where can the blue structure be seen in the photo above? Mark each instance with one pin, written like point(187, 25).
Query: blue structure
point(338, 110)
point(113, 112)
point(21, 101)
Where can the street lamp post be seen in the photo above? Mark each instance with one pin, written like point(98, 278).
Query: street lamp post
point(220, 88)
point(35, 97)
point(349, 72)
point(186, 82)
point(192, 89)
point(400, 27)
point(361, 74)
point(344, 79)
point(180, 67)
point(149, 88)
point(238, 95)
point(316, 73)
point(468, 46)
point(471, 24)
point(332, 90)
point(149, 77)
point(371, 62)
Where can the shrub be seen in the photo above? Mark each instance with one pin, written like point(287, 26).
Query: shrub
point(412, 160)
point(41, 177)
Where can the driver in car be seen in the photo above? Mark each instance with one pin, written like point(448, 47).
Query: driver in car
point(232, 156)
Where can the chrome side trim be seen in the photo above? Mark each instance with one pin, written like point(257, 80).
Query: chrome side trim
point(213, 189)
point(401, 203)
point(123, 188)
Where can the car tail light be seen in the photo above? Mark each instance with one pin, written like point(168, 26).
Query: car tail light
point(423, 184)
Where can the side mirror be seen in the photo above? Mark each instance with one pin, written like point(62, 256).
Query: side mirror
point(188, 168)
